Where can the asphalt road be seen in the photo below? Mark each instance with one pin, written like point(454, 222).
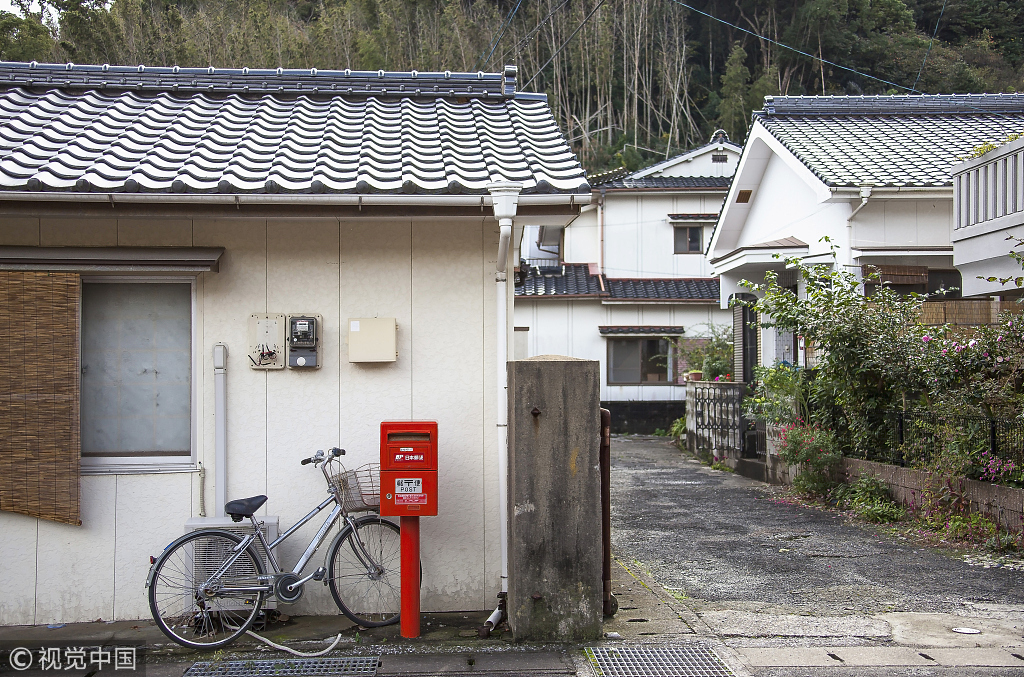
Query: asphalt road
point(760, 571)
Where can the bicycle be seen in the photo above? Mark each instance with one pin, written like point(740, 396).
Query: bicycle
point(207, 587)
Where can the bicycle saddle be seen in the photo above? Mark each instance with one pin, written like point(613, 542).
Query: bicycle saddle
point(244, 507)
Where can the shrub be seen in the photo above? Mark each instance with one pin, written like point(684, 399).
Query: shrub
point(678, 429)
point(813, 450)
point(868, 497)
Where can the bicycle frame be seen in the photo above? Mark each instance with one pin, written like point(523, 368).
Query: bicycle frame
point(338, 511)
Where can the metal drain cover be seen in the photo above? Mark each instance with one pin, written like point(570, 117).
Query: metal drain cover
point(690, 661)
point(289, 667)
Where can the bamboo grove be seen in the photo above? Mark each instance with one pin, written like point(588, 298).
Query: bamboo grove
point(630, 81)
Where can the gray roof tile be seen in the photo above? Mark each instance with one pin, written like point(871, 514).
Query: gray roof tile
point(888, 140)
point(682, 289)
point(202, 131)
point(669, 183)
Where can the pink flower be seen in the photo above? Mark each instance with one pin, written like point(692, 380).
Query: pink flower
point(926, 338)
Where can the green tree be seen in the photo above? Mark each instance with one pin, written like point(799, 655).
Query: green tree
point(734, 109)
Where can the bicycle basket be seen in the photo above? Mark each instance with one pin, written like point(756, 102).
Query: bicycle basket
point(357, 490)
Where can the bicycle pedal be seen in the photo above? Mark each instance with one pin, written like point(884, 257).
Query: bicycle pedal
point(319, 574)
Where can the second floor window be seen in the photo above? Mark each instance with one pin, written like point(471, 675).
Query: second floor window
point(689, 240)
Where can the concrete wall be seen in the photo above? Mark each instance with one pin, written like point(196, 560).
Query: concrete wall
point(435, 276)
point(554, 505)
point(1003, 505)
point(570, 327)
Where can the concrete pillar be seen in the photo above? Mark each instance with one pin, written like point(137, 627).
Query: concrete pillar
point(554, 591)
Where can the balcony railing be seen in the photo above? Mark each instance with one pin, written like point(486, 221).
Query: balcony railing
point(989, 187)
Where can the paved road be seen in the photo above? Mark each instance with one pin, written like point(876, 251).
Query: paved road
point(762, 573)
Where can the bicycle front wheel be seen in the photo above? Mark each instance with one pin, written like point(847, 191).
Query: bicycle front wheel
point(364, 574)
point(195, 599)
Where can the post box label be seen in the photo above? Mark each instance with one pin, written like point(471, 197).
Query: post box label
point(406, 458)
point(409, 491)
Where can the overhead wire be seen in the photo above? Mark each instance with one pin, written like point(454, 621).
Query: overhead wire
point(562, 46)
point(792, 49)
point(526, 38)
point(504, 27)
point(929, 51)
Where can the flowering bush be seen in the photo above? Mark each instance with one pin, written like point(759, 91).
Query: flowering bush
point(813, 450)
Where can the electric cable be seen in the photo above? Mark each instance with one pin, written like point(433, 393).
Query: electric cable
point(301, 654)
point(785, 46)
point(562, 46)
point(504, 27)
point(929, 51)
point(526, 38)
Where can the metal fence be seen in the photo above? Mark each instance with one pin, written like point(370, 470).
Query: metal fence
point(713, 418)
point(913, 438)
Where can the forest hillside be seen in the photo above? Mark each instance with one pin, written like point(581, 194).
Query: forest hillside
point(630, 81)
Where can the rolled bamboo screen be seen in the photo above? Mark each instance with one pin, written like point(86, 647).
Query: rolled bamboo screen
point(40, 442)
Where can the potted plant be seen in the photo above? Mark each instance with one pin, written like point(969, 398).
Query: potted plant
point(695, 375)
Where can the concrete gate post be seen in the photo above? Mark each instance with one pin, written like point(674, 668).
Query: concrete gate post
point(554, 495)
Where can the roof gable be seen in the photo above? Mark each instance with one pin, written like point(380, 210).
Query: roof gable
point(853, 141)
point(695, 162)
point(115, 129)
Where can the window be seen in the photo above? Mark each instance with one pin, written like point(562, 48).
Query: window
point(689, 240)
point(717, 158)
point(639, 361)
point(137, 363)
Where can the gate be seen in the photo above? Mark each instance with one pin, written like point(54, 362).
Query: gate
point(714, 419)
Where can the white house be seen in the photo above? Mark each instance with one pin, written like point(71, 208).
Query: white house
point(149, 214)
point(871, 173)
point(988, 207)
point(629, 271)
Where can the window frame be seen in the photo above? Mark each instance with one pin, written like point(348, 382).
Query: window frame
point(128, 465)
point(670, 366)
point(688, 227)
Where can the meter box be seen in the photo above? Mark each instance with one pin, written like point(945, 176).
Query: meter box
point(266, 341)
point(372, 339)
point(408, 468)
point(304, 341)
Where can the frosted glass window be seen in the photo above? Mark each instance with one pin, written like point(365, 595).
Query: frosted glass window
point(624, 361)
point(137, 369)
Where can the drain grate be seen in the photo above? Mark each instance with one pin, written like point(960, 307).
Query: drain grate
point(691, 661)
point(289, 667)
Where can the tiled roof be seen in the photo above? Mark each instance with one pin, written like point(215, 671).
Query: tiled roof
point(161, 130)
point(607, 176)
point(576, 280)
point(691, 289)
point(671, 183)
point(658, 331)
point(693, 217)
point(888, 140)
point(771, 245)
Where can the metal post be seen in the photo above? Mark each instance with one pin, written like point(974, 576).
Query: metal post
point(410, 567)
point(610, 606)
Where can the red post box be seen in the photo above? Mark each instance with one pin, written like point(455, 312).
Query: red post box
point(408, 489)
point(408, 468)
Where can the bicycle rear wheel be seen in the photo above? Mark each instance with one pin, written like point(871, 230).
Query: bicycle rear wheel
point(194, 607)
point(367, 591)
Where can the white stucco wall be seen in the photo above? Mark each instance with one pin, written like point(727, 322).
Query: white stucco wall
point(435, 276)
point(570, 327)
point(638, 237)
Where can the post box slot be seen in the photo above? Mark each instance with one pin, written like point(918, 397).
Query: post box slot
point(408, 437)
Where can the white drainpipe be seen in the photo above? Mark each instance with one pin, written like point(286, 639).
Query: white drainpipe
point(505, 200)
point(220, 434)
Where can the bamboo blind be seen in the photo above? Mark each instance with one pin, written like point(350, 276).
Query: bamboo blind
point(40, 442)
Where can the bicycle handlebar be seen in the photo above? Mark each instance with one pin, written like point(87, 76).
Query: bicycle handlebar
point(334, 452)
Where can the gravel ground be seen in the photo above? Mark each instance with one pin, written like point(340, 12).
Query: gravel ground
point(730, 543)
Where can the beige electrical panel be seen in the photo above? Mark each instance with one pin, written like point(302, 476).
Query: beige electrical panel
point(372, 339)
point(266, 341)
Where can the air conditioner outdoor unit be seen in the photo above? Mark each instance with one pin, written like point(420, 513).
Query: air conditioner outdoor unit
point(204, 561)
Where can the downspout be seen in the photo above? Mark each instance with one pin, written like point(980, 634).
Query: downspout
point(600, 233)
point(220, 434)
point(865, 193)
point(505, 201)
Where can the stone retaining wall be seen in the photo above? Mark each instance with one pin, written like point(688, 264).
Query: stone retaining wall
point(1003, 505)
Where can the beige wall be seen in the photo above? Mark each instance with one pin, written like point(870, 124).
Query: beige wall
point(435, 276)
